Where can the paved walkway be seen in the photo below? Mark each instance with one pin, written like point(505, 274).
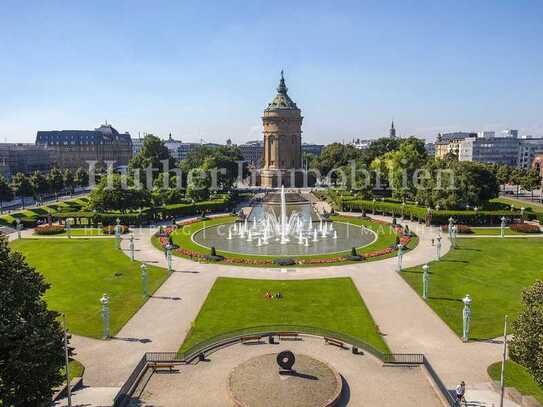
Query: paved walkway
point(409, 325)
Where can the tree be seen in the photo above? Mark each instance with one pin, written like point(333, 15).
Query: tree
point(81, 178)
point(380, 147)
point(334, 156)
point(22, 186)
point(503, 174)
point(530, 181)
point(31, 338)
point(55, 180)
point(39, 183)
point(152, 155)
point(525, 347)
point(6, 193)
point(68, 180)
point(198, 185)
point(516, 178)
point(118, 193)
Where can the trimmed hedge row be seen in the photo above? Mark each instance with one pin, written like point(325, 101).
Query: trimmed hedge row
point(441, 217)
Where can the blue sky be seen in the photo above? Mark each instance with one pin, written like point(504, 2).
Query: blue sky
point(208, 69)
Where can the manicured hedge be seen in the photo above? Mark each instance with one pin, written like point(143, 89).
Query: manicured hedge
point(49, 229)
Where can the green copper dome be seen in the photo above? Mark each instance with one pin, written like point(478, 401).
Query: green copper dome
point(282, 100)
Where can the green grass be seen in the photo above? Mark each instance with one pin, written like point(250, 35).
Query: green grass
point(80, 271)
point(332, 304)
point(494, 231)
point(517, 376)
point(76, 369)
point(518, 203)
point(386, 238)
point(493, 271)
point(80, 232)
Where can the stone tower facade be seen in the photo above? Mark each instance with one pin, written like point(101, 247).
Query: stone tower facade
point(282, 122)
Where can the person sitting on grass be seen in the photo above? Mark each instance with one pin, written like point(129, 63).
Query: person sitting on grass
point(278, 296)
point(268, 295)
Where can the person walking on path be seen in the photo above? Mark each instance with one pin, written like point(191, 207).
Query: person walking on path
point(460, 392)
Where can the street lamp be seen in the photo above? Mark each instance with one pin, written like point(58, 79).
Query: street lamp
point(105, 315)
point(502, 226)
point(18, 227)
point(425, 281)
point(67, 361)
point(451, 224)
point(403, 209)
point(132, 247)
point(118, 233)
point(373, 207)
point(69, 228)
point(522, 214)
point(400, 256)
point(144, 280)
point(438, 247)
point(169, 257)
point(466, 316)
point(454, 231)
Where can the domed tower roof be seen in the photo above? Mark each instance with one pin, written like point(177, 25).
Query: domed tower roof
point(282, 101)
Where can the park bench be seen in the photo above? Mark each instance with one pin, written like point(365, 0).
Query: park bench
point(288, 335)
point(254, 338)
point(335, 342)
point(158, 365)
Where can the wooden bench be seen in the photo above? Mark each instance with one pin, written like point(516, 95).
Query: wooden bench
point(335, 342)
point(255, 338)
point(288, 335)
point(158, 365)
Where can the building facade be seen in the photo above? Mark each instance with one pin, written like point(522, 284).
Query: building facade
point(74, 148)
point(529, 149)
point(487, 148)
point(282, 121)
point(450, 143)
point(252, 152)
point(25, 158)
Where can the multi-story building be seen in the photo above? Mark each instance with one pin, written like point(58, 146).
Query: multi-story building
point(529, 148)
point(315, 149)
point(137, 144)
point(537, 164)
point(25, 158)
point(488, 148)
point(74, 148)
point(252, 151)
point(430, 149)
point(450, 142)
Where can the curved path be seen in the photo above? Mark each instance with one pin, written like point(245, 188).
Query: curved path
point(409, 325)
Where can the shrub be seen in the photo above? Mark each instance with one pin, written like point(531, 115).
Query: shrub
point(110, 229)
point(525, 228)
point(49, 229)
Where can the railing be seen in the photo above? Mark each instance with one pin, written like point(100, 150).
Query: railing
point(404, 358)
point(267, 331)
point(439, 383)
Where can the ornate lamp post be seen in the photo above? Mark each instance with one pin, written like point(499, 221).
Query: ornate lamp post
point(169, 257)
point(502, 226)
point(105, 315)
point(522, 214)
point(144, 280)
point(449, 229)
point(454, 231)
point(69, 228)
point(425, 281)
point(132, 247)
point(400, 256)
point(438, 247)
point(403, 209)
point(466, 314)
point(118, 233)
point(19, 227)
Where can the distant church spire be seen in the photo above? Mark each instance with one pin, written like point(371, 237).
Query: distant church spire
point(392, 132)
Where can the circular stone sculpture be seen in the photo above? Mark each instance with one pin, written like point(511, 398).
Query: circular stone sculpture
point(257, 383)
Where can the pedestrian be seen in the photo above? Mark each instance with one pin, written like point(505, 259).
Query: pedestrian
point(460, 392)
point(432, 241)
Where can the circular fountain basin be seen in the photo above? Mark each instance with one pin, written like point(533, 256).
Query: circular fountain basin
point(348, 236)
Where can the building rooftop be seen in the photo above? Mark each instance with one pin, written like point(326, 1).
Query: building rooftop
point(282, 101)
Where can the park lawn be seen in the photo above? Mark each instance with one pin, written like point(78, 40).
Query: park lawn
point(495, 231)
point(80, 271)
point(517, 376)
point(519, 203)
point(493, 271)
point(76, 369)
point(80, 232)
point(332, 303)
point(386, 238)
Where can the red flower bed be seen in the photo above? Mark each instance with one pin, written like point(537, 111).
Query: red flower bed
point(525, 228)
point(49, 229)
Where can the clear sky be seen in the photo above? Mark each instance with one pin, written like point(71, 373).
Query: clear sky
point(207, 69)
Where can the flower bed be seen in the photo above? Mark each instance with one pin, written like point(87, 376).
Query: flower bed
point(462, 229)
point(49, 229)
point(110, 229)
point(404, 237)
point(525, 228)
